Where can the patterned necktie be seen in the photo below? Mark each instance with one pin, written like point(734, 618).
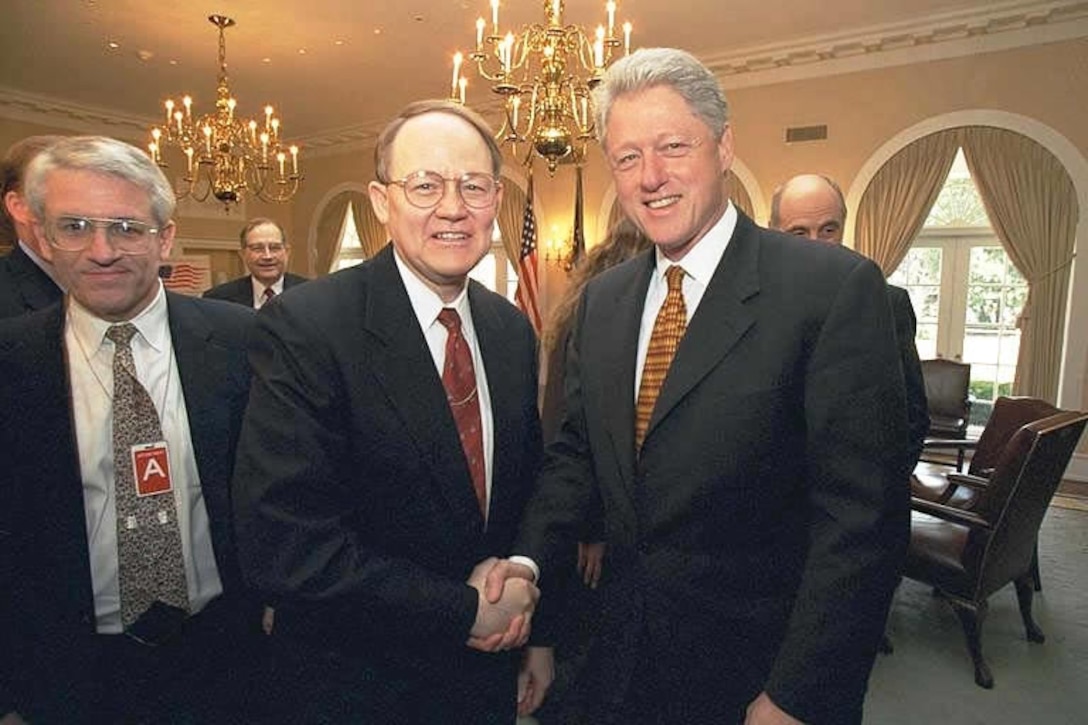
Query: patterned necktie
point(669, 327)
point(150, 561)
point(459, 379)
point(269, 293)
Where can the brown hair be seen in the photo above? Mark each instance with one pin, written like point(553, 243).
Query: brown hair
point(259, 222)
point(383, 149)
point(623, 242)
point(12, 173)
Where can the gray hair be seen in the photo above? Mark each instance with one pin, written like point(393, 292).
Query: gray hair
point(776, 198)
point(677, 69)
point(101, 155)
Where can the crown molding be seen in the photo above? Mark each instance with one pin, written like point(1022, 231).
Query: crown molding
point(1002, 26)
point(54, 112)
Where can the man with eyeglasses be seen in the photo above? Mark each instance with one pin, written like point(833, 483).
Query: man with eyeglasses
point(734, 400)
point(389, 447)
point(121, 599)
point(264, 252)
point(27, 281)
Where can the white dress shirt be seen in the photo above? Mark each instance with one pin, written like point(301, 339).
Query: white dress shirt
point(699, 265)
point(426, 305)
point(259, 287)
point(90, 362)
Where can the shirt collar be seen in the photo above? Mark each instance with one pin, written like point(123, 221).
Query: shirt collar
point(426, 304)
point(703, 258)
point(259, 287)
point(151, 323)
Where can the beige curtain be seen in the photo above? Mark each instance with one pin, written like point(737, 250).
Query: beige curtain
point(898, 199)
point(511, 216)
point(327, 245)
point(372, 233)
point(1032, 206)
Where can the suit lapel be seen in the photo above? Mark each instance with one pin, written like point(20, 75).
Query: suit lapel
point(406, 371)
point(719, 322)
point(619, 345)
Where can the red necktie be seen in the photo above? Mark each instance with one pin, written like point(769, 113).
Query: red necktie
point(269, 293)
point(459, 379)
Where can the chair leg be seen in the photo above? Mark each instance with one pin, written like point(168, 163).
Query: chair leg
point(1036, 580)
point(971, 617)
point(1024, 594)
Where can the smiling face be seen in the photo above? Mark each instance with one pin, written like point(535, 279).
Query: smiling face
point(674, 200)
point(441, 244)
point(113, 286)
point(265, 254)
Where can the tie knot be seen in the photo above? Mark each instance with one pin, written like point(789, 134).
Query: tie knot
point(269, 293)
point(449, 319)
point(674, 275)
point(121, 334)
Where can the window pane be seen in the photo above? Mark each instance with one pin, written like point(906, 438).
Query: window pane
point(484, 272)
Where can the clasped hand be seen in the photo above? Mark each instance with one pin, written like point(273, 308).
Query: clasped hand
point(507, 599)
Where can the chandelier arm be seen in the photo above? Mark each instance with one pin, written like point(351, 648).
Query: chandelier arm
point(231, 157)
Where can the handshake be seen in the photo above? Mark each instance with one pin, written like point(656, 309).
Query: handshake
point(507, 599)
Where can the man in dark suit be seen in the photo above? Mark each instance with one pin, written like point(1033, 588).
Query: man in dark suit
point(365, 504)
point(755, 511)
point(26, 279)
point(812, 206)
point(265, 253)
point(84, 637)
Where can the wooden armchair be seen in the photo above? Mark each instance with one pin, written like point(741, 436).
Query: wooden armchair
point(1008, 416)
point(967, 555)
point(947, 383)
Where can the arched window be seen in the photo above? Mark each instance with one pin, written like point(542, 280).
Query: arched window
point(351, 248)
point(967, 294)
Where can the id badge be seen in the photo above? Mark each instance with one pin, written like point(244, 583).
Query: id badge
point(151, 469)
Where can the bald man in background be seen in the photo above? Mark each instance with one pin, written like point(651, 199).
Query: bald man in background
point(812, 206)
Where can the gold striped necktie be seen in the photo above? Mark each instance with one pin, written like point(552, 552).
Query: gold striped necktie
point(669, 327)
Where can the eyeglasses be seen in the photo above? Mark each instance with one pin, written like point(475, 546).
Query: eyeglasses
point(671, 148)
point(269, 248)
point(75, 233)
point(425, 189)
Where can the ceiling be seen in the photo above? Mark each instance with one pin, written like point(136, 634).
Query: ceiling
point(329, 65)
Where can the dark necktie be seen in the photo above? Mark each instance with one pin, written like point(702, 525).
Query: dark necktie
point(150, 561)
point(459, 379)
point(669, 327)
point(269, 293)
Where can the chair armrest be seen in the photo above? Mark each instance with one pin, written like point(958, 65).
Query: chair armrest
point(962, 444)
point(977, 483)
point(949, 513)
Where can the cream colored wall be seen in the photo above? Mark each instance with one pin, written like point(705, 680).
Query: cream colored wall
point(863, 111)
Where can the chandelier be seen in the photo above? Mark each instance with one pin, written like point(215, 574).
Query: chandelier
point(227, 156)
point(545, 73)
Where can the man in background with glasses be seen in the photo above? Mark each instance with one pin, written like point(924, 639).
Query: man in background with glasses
point(389, 447)
point(265, 253)
point(121, 598)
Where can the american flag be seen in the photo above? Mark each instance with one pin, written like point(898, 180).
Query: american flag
point(527, 292)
